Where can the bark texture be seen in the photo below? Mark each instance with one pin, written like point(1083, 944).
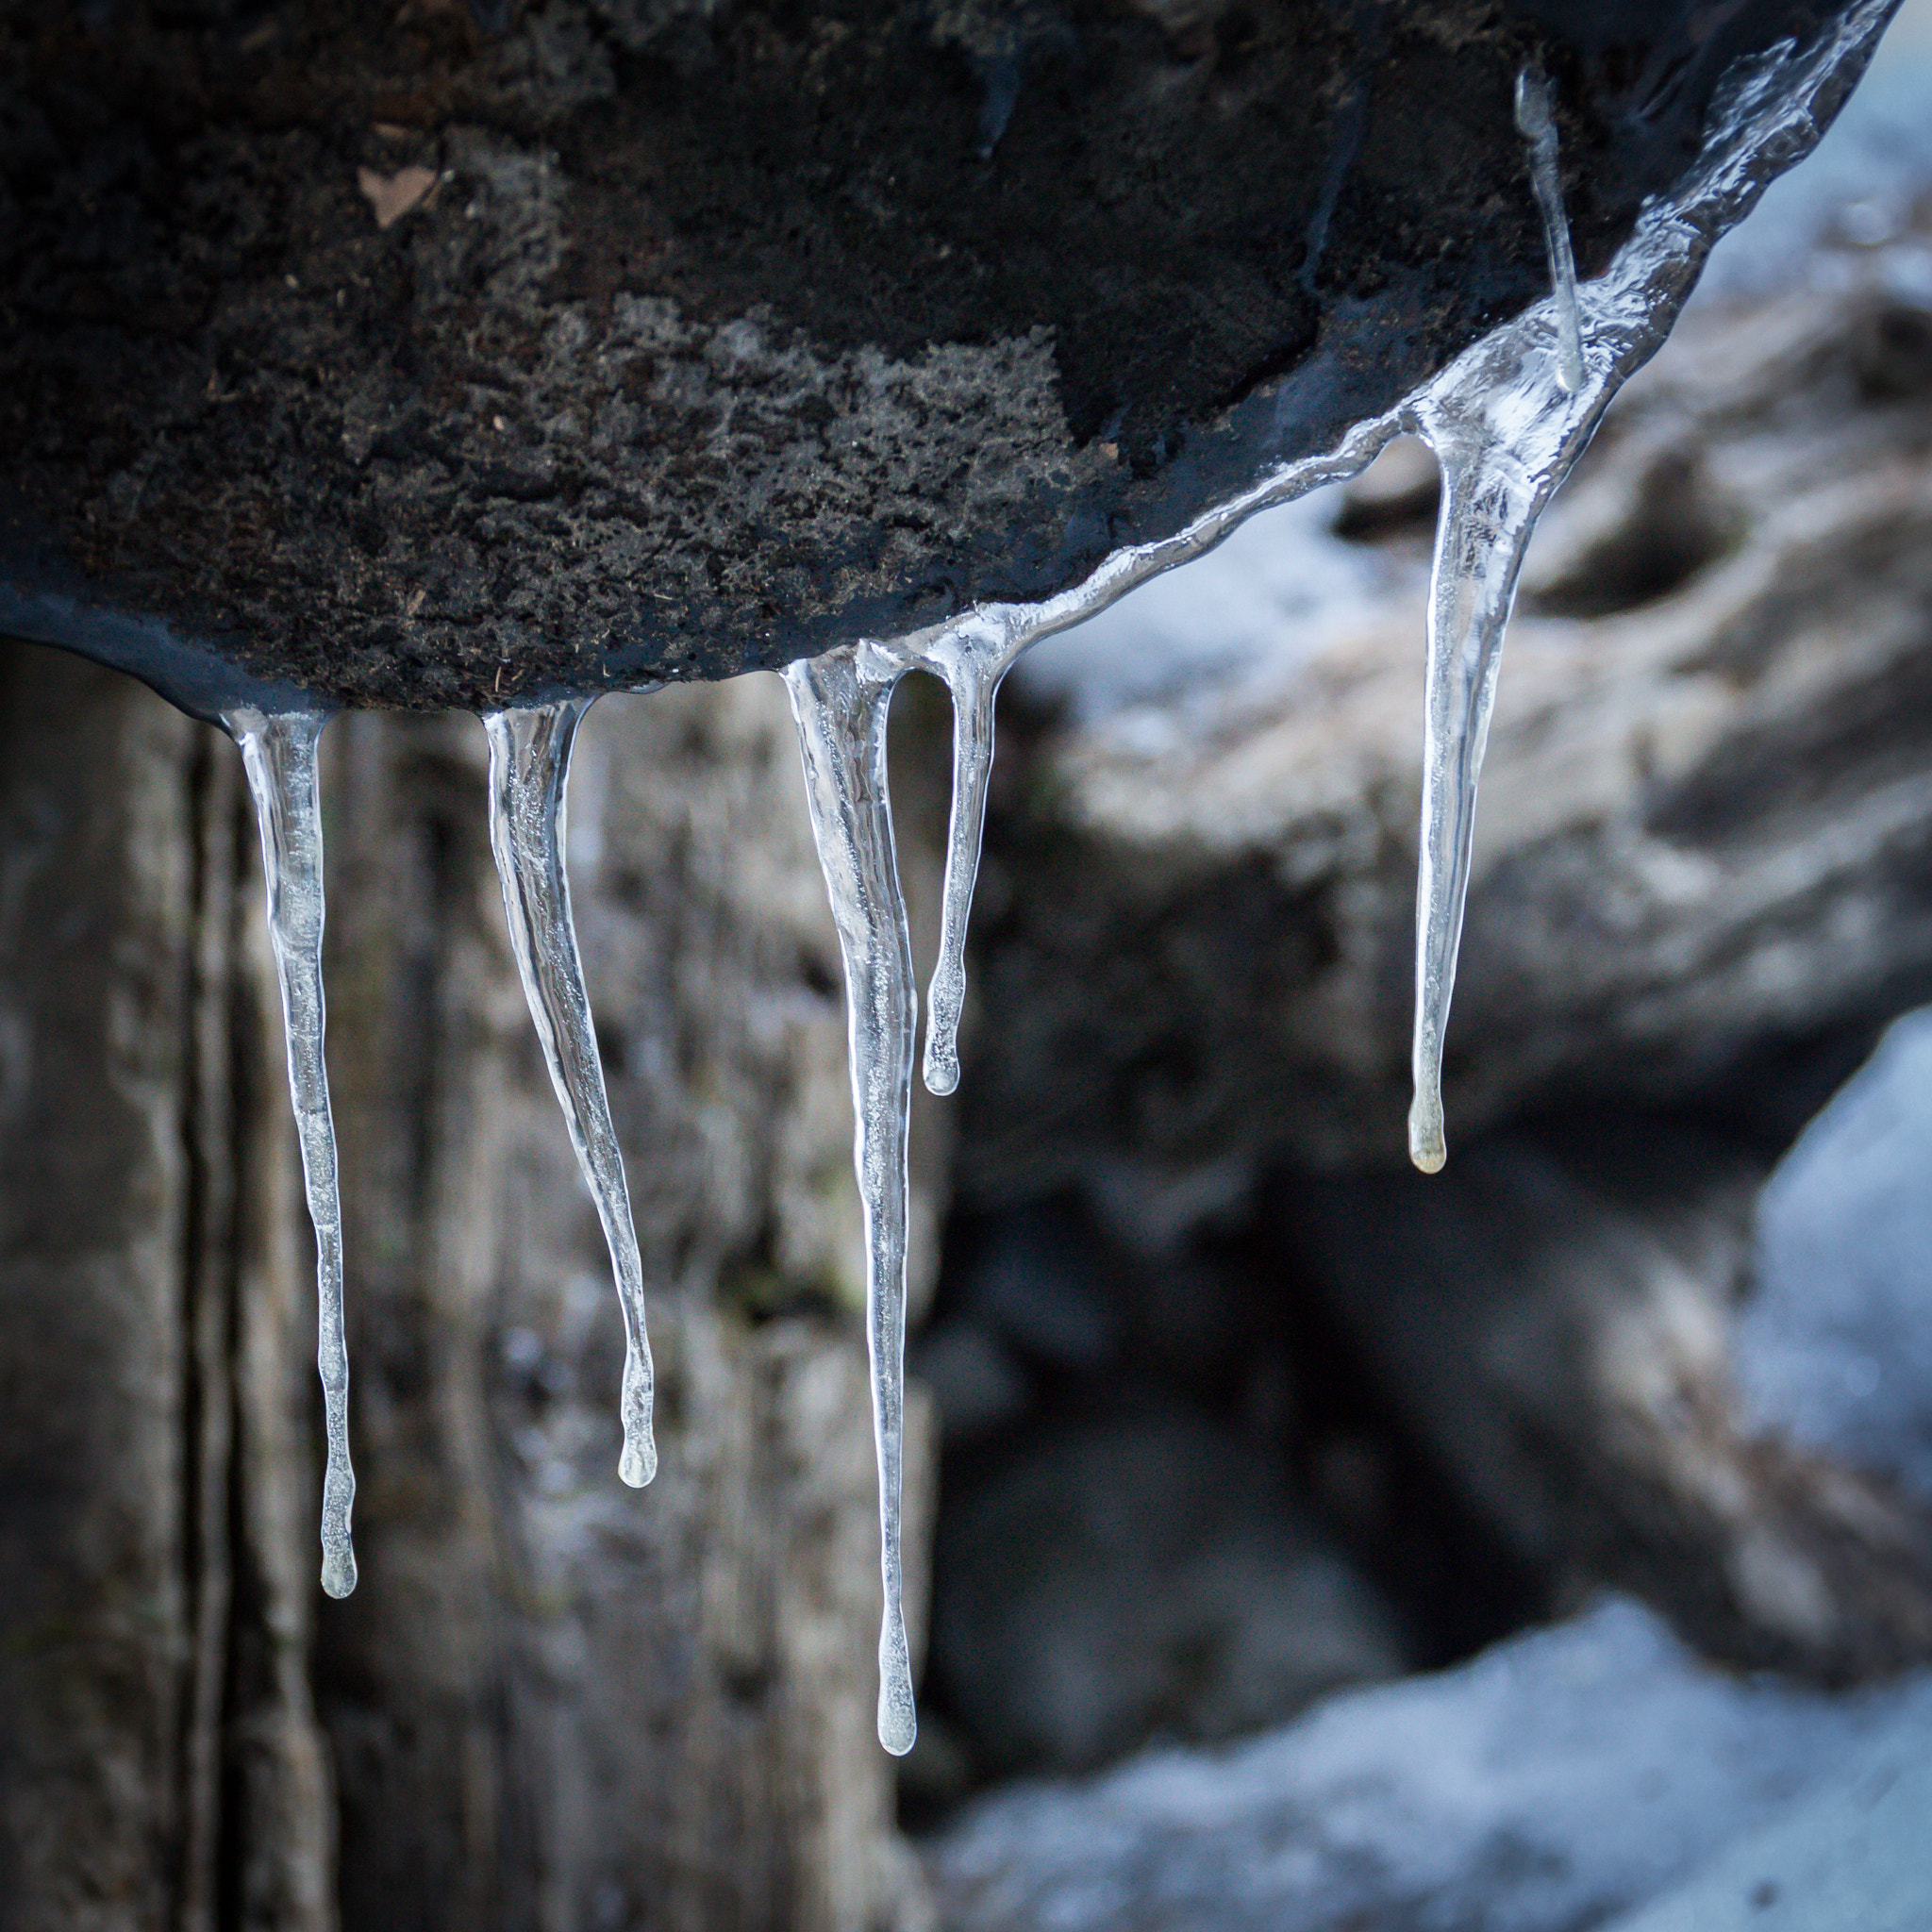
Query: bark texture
point(162, 1763)
point(553, 1701)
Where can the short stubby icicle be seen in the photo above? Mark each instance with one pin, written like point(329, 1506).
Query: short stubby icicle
point(278, 753)
point(529, 776)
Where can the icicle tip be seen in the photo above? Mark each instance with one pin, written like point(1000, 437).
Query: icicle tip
point(942, 1069)
point(638, 1464)
point(1426, 1146)
point(339, 1573)
point(898, 1723)
point(898, 1707)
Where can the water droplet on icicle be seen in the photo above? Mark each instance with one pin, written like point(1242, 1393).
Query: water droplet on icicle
point(1537, 125)
point(529, 776)
point(840, 700)
point(279, 754)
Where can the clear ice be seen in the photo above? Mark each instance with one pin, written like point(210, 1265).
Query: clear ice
point(1509, 419)
point(1506, 420)
point(278, 753)
point(529, 777)
point(1538, 126)
point(972, 657)
point(840, 702)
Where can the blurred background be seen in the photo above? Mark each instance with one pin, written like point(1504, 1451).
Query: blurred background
point(1297, 1542)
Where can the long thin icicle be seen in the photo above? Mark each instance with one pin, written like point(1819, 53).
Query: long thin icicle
point(278, 753)
point(840, 702)
point(1537, 125)
point(1493, 492)
point(1507, 425)
point(529, 776)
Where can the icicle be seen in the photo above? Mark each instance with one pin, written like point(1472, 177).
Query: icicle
point(529, 774)
point(972, 657)
point(1491, 501)
point(1538, 126)
point(278, 753)
point(1507, 420)
point(840, 702)
point(1507, 424)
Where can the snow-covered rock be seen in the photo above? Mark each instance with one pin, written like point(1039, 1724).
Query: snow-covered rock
point(1557, 1779)
point(1851, 1857)
point(1835, 1350)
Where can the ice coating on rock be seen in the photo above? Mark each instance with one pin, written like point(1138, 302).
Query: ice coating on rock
point(1508, 428)
point(1537, 126)
point(840, 700)
point(279, 754)
point(529, 777)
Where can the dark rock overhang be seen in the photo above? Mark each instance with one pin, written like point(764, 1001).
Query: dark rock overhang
point(421, 357)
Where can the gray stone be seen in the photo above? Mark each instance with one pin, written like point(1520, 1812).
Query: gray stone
point(1134, 1575)
point(1553, 1316)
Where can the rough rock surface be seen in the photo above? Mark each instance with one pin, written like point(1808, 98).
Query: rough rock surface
point(428, 366)
point(1540, 1789)
point(552, 1701)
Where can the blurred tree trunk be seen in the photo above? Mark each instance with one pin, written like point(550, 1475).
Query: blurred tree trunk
point(552, 1703)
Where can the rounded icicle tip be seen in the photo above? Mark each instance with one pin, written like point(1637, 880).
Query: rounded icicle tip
point(639, 1463)
point(1426, 1146)
point(898, 1712)
point(338, 1574)
point(898, 1721)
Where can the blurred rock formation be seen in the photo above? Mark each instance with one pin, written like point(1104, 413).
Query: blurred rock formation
point(1707, 812)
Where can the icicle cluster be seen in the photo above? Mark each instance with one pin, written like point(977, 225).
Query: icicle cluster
point(529, 771)
point(1507, 420)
